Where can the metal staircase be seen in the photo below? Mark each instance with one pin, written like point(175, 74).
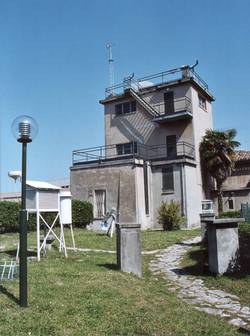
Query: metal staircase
point(133, 87)
point(149, 108)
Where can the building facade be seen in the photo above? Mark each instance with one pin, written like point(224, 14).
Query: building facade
point(236, 188)
point(153, 127)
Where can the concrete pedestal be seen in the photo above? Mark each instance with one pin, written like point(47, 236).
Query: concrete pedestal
point(205, 219)
point(223, 245)
point(129, 248)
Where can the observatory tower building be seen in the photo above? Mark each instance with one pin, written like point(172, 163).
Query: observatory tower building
point(153, 127)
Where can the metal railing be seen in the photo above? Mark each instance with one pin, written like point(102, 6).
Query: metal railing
point(179, 105)
point(156, 79)
point(140, 151)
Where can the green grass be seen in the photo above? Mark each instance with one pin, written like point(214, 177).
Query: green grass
point(88, 239)
point(239, 283)
point(86, 295)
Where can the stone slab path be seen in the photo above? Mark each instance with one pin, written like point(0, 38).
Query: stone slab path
point(193, 291)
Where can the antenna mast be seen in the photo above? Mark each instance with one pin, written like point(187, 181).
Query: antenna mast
point(111, 66)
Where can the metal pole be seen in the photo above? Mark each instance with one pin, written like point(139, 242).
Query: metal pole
point(23, 292)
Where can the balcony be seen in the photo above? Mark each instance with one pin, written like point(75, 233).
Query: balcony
point(180, 108)
point(112, 153)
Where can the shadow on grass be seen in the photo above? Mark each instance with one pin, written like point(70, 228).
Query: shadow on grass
point(12, 253)
point(109, 266)
point(8, 294)
point(244, 331)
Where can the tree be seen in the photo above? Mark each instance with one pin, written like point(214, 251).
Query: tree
point(217, 151)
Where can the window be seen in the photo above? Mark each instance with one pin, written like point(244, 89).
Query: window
point(124, 108)
point(168, 179)
point(230, 204)
point(126, 148)
point(202, 102)
point(100, 203)
point(171, 146)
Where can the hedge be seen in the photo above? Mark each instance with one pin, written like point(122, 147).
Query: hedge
point(9, 214)
point(82, 214)
point(230, 214)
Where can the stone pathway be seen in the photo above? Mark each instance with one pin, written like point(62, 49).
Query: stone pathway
point(108, 251)
point(193, 291)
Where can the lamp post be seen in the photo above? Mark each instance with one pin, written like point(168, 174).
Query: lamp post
point(24, 129)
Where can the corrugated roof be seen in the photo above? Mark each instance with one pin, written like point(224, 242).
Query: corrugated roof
point(42, 185)
point(242, 155)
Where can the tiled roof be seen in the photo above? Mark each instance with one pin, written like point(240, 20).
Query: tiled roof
point(242, 155)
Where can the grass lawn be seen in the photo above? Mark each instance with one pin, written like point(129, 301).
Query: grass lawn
point(238, 284)
point(86, 295)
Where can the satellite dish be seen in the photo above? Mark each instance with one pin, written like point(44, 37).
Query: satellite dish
point(15, 174)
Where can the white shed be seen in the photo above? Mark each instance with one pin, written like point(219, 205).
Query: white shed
point(44, 197)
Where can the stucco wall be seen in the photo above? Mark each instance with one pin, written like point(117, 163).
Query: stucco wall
point(138, 126)
point(85, 181)
point(238, 197)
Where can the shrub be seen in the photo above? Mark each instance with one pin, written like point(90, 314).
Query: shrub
point(169, 215)
point(82, 213)
point(230, 214)
point(9, 216)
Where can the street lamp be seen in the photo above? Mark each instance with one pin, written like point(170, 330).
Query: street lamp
point(24, 129)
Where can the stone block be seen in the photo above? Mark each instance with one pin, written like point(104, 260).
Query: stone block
point(129, 248)
point(223, 245)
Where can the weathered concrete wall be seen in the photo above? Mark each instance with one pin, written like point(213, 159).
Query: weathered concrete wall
point(85, 181)
point(158, 195)
point(237, 196)
point(223, 245)
point(236, 182)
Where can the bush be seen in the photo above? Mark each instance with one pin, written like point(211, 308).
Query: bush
point(230, 214)
point(9, 216)
point(169, 215)
point(82, 213)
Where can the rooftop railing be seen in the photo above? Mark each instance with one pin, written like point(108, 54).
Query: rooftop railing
point(132, 150)
point(142, 83)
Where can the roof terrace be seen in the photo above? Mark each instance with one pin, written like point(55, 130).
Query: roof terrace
point(183, 73)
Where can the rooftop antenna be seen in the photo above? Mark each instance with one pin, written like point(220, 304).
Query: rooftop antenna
point(111, 66)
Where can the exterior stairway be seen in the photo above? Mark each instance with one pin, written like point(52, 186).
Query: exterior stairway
point(152, 112)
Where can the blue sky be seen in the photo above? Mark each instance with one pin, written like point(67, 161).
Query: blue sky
point(53, 67)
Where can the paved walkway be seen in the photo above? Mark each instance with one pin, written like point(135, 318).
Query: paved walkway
point(108, 251)
point(193, 291)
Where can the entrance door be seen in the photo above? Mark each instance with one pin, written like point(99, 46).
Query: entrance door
point(169, 102)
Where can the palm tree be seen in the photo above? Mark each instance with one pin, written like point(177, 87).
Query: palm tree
point(217, 151)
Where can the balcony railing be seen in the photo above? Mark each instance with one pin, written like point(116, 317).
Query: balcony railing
point(185, 72)
point(179, 105)
point(135, 150)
